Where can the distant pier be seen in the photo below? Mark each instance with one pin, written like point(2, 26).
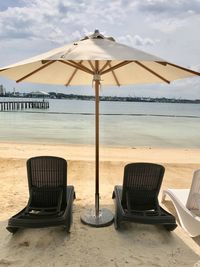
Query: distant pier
point(21, 105)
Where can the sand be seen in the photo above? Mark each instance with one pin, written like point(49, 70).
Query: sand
point(133, 245)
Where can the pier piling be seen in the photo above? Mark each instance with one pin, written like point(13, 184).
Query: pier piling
point(21, 105)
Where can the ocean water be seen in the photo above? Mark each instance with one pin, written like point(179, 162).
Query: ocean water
point(131, 124)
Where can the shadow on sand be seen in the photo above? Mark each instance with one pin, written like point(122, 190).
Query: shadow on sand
point(133, 245)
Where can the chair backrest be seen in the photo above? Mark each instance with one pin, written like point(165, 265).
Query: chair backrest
point(194, 191)
point(48, 177)
point(141, 184)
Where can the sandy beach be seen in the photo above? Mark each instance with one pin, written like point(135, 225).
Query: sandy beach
point(133, 245)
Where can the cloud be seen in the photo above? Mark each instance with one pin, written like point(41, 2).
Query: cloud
point(61, 21)
point(136, 40)
point(10, 3)
point(170, 8)
point(196, 68)
point(165, 28)
point(168, 16)
point(56, 19)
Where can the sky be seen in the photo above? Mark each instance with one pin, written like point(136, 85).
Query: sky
point(167, 29)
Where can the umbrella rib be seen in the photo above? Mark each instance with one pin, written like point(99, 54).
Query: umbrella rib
point(91, 65)
point(114, 75)
point(123, 63)
point(72, 76)
point(182, 68)
point(161, 63)
point(4, 69)
point(151, 71)
point(35, 71)
point(80, 67)
point(104, 66)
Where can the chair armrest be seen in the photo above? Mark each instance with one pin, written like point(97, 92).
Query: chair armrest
point(118, 198)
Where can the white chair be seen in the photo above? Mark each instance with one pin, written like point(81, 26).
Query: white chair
point(187, 205)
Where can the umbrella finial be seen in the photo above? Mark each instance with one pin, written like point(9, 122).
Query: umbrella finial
point(97, 35)
point(96, 31)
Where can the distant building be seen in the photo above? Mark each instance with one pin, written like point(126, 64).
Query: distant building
point(38, 94)
point(2, 93)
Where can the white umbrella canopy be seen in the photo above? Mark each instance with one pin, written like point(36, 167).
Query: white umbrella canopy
point(118, 64)
point(102, 60)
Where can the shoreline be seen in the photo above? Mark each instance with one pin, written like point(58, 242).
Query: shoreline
point(107, 153)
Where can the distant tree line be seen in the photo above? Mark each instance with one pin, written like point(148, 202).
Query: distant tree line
point(55, 95)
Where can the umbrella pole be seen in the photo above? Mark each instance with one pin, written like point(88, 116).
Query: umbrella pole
point(97, 217)
point(97, 148)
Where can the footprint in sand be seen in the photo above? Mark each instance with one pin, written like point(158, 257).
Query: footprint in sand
point(24, 244)
point(4, 262)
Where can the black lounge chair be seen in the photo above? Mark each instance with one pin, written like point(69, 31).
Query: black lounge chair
point(50, 199)
point(137, 200)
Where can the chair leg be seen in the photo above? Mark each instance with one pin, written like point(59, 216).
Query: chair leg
point(67, 228)
point(12, 230)
point(116, 217)
point(170, 227)
point(68, 221)
point(117, 223)
point(68, 224)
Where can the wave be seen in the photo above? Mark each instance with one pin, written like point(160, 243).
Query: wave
point(108, 114)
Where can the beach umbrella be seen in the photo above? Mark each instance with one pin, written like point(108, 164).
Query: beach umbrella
point(100, 60)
